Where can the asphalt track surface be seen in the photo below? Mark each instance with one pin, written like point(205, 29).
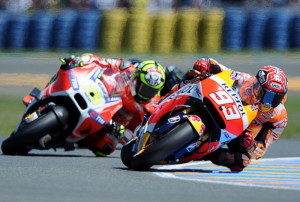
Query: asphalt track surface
point(79, 176)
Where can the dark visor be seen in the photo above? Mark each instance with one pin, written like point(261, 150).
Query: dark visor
point(146, 92)
point(272, 99)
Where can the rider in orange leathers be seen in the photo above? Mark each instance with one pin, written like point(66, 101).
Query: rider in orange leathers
point(143, 81)
point(268, 95)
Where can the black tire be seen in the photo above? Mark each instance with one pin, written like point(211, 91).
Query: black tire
point(127, 153)
point(168, 144)
point(49, 122)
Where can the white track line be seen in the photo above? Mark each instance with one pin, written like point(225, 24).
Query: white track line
point(179, 166)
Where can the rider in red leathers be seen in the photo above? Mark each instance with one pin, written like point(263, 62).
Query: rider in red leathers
point(269, 97)
point(143, 81)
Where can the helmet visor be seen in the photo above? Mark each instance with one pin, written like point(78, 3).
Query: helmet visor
point(141, 92)
point(272, 99)
point(146, 92)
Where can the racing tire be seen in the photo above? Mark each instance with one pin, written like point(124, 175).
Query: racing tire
point(51, 121)
point(127, 153)
point(160, 150)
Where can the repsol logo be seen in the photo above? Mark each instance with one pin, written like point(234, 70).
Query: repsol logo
point(236, 97)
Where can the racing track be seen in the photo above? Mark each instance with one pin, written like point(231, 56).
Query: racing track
point(79, 176)
point(276, 173)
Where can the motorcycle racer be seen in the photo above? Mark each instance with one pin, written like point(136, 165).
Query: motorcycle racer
point(141, 84)
point(268, 95)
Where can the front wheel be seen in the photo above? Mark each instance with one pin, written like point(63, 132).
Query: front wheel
point(47, 123)
point(127, 153)
point(161, 149)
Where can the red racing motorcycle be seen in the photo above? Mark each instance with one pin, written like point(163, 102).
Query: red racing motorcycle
point(189, 124)
point(77, 102)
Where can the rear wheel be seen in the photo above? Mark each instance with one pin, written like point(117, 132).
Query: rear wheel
point(160, 150)
point(19, 142)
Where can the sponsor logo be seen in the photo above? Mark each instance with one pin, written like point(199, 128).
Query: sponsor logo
point(224, 143)
point(195, 118)
point(264, 116)
point(97, 117)
point(73, 80)
point(253, 107)
point(234, 75)
point(276, 86)
point(281, 124)
point(256, 122)
point(236, 97)
point(227, 136)
point(174, 119)
point(198, 92)
point(115, 98)
point(74, 83)
point(96, 74)
point(192, 147)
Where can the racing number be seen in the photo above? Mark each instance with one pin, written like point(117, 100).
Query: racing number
point(93, 93)
point(224, 100)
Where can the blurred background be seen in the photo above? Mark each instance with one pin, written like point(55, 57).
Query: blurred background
point(145, 26)
point(242, 34)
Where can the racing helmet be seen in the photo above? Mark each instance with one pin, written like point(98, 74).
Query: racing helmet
point(147, 80)
point(274, 85)
point(202, 65)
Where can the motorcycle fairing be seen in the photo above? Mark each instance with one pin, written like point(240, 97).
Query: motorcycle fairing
point(173, 101)
point(90, 86)
point(230, 108)
point(221, 108)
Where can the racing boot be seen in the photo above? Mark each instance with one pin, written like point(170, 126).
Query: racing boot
point(100, 144)
point(235, 161)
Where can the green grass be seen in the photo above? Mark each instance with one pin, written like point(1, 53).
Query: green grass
point(11, 109)
point(292, 130)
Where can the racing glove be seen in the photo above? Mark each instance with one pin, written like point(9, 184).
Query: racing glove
point(115, 129)
point(201, 67)
point(118, 130)
point(246, 140)
point(71, 62)
point(257, 150)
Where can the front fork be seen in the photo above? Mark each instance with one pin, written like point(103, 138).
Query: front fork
point(61, 115)
point(199, 127)
point(195, 122)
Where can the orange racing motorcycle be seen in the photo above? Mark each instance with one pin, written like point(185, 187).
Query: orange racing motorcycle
point(190, 123)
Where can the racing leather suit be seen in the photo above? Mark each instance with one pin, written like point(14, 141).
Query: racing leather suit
point(130, 115)
point(266, 128)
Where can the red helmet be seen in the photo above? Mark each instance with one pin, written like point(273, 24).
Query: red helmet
point(202, 65)
point(274, 85)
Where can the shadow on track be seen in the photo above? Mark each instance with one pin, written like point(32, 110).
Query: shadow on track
point(176, 170)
